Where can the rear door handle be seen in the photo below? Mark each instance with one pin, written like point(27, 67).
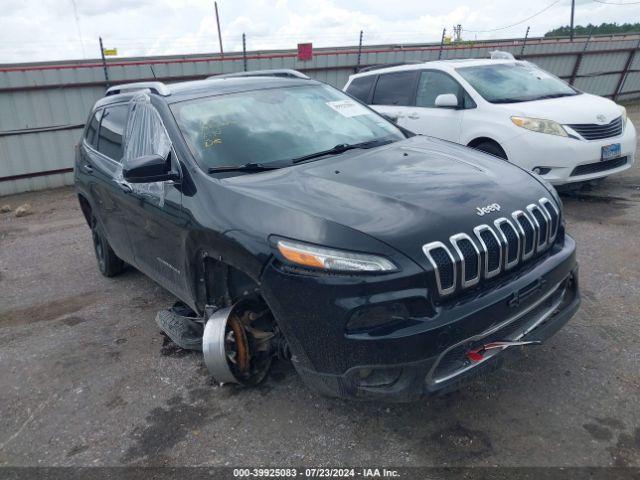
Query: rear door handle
point(413, 116)
point(87, 168)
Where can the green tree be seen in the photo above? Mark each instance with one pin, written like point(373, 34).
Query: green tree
point(602, 29)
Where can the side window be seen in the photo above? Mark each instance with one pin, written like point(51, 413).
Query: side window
point(433, 83)
point(361, 87)
point(91, 134)
point(111, 131)
point(395, 88)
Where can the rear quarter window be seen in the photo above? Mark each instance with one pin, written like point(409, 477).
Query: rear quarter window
point(361, 87)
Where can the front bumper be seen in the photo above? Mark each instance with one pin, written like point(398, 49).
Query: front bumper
point(562, 155)
point(408, 359)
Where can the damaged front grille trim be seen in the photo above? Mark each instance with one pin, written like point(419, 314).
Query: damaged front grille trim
point(485, 248)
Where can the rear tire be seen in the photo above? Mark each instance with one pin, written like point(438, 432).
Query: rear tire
point(109, 263)
point(491, 148)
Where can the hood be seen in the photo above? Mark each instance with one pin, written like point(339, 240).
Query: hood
point(583, 108)
point(405, 194)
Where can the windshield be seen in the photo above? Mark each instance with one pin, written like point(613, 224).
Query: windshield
point(514, 82)
point(272, 125)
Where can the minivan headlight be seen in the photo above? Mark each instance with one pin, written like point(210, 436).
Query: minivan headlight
point(540, 125)
point(329, 259)
point(623, 113)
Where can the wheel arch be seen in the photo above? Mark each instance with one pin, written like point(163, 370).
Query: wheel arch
point(484, 139)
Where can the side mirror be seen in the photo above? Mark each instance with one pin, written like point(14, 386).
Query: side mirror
point(391, 118)
point(149, 168)
point(446, 100)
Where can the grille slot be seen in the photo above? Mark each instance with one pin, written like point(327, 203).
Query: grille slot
point(492, 249)
point(553, 215)
point(593, 131)
point(444, 266)
point(601, 166)
point(511, 241)
point(527, 231)
point(469, 257)
point(540, 222)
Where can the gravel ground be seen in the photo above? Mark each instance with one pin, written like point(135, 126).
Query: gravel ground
point(87, 380)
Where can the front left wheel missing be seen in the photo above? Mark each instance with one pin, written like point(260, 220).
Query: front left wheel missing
point(109, 263)
point(238, 343)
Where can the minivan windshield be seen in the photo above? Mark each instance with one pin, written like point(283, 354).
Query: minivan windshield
point(514, 82)
point(276, 126)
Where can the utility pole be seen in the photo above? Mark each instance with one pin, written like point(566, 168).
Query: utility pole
point(244, 51)
point(215, 4)
point(573, 10)
point(444, 31)
point(359, 52)
point(104, 64)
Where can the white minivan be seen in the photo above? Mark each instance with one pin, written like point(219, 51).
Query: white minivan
point(509, 108)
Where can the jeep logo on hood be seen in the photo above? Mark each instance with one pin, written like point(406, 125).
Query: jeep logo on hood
point(494, 207)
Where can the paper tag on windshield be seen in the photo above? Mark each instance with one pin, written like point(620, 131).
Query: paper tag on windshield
point(348, 108)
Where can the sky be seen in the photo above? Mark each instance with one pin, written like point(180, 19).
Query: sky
point(44, 30)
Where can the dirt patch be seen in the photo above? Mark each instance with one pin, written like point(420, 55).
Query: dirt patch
point(459, 444)
point(627, 451)
point(47, 311)
point(165, 428)
point(598, 432)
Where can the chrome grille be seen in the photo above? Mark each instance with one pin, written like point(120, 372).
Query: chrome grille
point(593, 131)
point(464, 261)
point(527, 232)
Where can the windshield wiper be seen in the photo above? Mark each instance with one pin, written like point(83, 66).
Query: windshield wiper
point(340, 148)
point(246, 167)
point(555, 95)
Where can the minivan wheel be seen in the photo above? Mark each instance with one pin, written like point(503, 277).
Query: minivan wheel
point(108, 262)
point(492, 148)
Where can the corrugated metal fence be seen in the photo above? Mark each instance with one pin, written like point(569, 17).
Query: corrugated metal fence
point(43, 106)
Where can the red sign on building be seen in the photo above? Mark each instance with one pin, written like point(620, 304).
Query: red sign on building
point(305, 51)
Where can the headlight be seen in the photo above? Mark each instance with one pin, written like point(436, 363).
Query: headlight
point(540, 125)
point(623, 112)
point(332, 260)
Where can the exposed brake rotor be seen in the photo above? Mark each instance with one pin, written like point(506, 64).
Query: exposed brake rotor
point(237, 343)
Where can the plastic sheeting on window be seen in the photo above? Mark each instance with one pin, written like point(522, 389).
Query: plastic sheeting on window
point(144, 135)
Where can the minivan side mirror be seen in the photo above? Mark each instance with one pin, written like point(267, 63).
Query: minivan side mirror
point(447, 100)
point(149, 168)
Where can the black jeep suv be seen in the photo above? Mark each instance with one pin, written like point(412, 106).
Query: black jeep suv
point(290, 220)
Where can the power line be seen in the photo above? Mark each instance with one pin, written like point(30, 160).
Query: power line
point(517, 23)
point(616, 3)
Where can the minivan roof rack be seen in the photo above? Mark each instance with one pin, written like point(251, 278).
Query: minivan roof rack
point(387, 65)
point(155, 87)
point(278, 72)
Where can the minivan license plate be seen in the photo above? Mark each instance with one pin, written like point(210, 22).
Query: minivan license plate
point(610, 151)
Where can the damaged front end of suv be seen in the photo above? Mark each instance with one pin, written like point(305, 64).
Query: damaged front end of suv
point(293, 222)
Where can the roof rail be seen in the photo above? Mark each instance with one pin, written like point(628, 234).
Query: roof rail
point(387, 65)
point(278, 72)
point(155, 87)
